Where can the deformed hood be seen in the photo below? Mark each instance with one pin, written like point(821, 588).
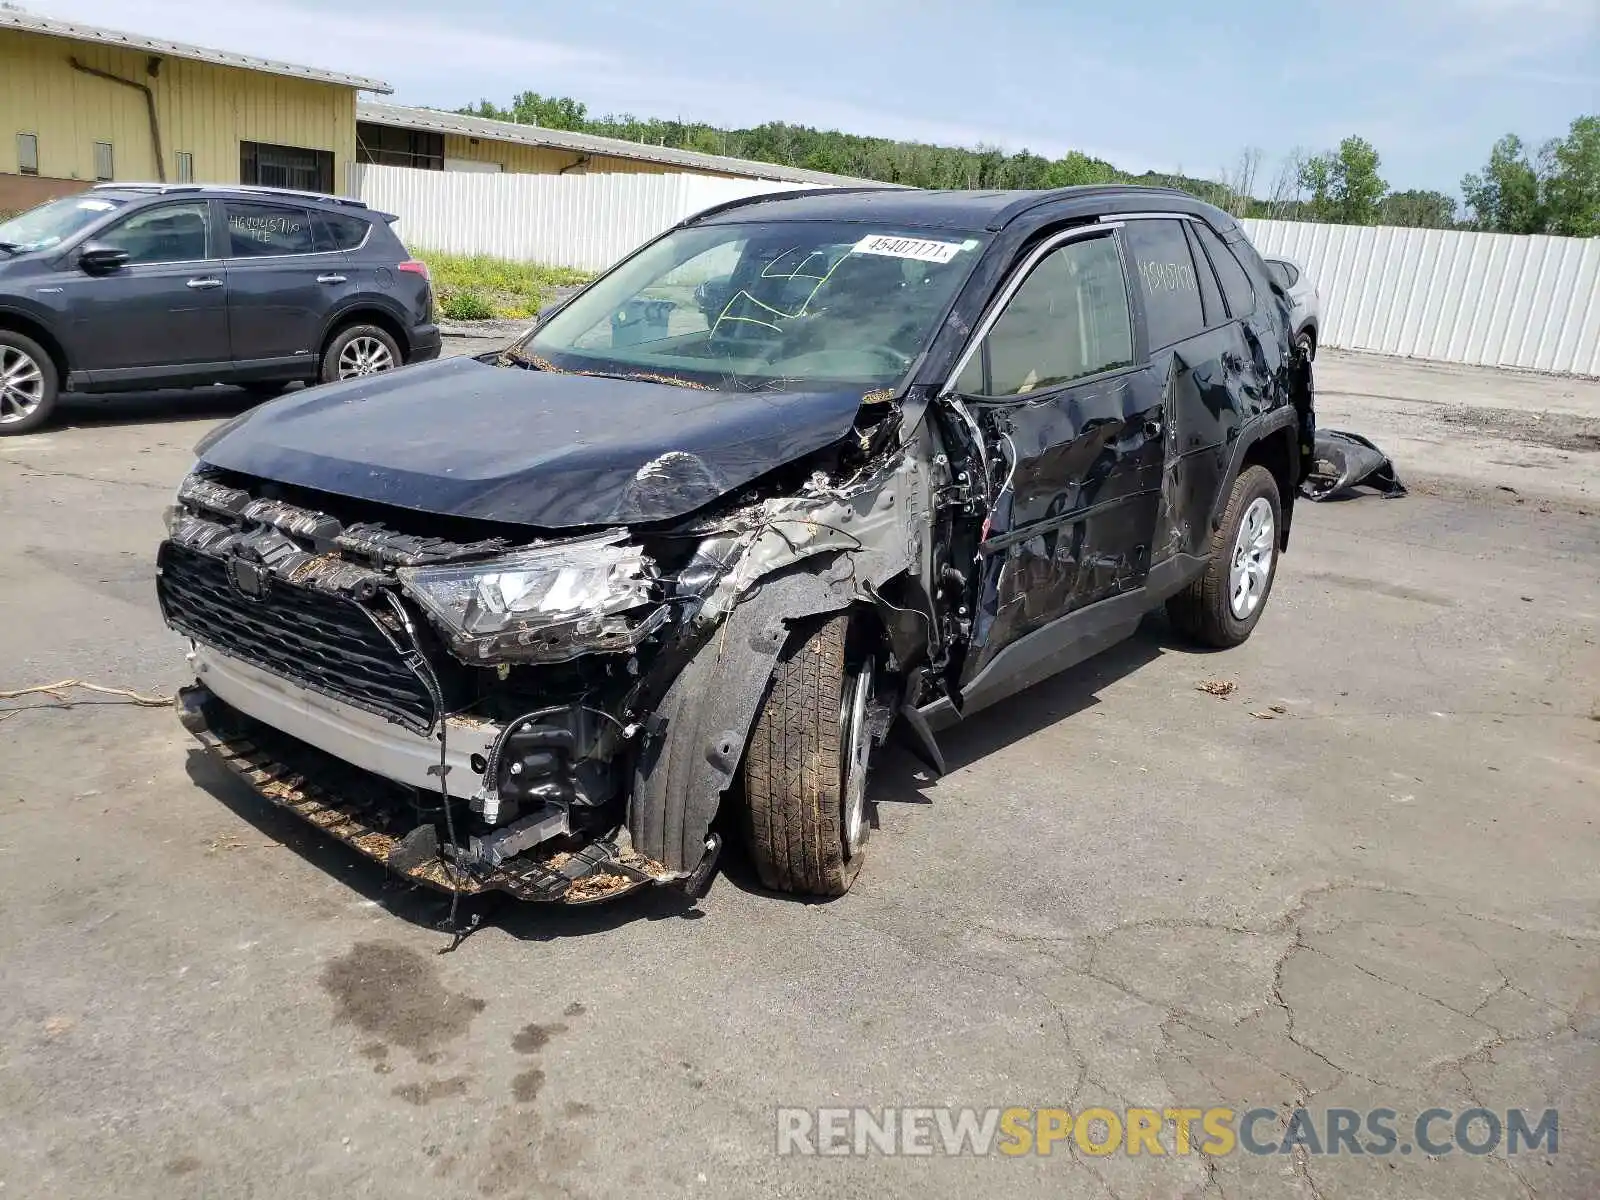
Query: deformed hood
point(462, 438)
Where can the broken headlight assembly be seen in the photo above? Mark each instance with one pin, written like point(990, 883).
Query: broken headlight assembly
point(547, 604)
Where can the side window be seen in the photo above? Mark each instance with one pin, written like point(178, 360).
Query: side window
point(1236, 284)
point(166, 233)
point(1167, 280)
point(342, 232)
point(1067, 321)
point(256, 230)
point(1210, 290)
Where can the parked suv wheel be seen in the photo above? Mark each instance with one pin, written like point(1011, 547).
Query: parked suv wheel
point(28, 384)
point(805, 770)
point(357, 351)
point(1221, 608)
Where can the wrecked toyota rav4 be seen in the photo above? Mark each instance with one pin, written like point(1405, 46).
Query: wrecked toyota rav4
point(805, 472)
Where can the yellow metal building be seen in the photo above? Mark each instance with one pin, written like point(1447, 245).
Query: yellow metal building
point(80, 104)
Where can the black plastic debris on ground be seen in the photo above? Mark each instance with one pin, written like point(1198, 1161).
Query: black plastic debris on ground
point(1345, 461)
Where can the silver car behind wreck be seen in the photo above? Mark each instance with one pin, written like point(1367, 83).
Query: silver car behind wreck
point(799, 470)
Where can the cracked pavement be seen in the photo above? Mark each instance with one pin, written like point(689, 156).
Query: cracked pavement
point(1126, 892)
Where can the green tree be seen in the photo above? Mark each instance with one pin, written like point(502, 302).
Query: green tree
point(1345, 186)
point(1572, 182)
point(1418, 210)
point(1505, 196)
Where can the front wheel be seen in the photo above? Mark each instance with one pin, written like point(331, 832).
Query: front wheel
point(1221, 608)
point(805, 769)
point(29, 385)
point(357, 351)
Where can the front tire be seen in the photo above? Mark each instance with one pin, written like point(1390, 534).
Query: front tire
point(1222, 607)
point(357, 351)
point(29, 384)
point(805, 767)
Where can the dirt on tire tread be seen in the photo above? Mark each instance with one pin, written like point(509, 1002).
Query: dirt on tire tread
point(792, 774)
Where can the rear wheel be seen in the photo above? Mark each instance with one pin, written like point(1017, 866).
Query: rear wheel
point(805, 770)
point(357, 351)
point(29, 385)
point(1221, 608)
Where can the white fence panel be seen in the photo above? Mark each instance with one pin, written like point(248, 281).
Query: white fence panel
point(583, 221)
point(1484, 298)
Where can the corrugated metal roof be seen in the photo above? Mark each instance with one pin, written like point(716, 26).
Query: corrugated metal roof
point(28, 22)
point(400, 117)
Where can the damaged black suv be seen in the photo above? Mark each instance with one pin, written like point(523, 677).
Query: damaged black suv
point(803, 471)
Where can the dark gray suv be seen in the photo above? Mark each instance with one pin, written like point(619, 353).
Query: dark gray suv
point(133, 286)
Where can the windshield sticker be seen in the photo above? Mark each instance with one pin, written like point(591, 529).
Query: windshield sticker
point(95, 205)
point(903, 247)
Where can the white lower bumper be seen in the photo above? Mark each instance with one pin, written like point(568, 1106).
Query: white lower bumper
point(359, 738)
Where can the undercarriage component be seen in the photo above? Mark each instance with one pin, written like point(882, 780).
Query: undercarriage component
point(391, 825)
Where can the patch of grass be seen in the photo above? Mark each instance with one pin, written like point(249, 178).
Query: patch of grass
point(476, 287)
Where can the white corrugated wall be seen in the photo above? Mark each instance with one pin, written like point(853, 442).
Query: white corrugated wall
point(583, 221)
point(1493, 299)
point(1482, 298)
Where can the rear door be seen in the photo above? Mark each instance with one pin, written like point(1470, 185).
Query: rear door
point(1059, 382)
point(1199, 363)
point(160, 315)
point(284, 276)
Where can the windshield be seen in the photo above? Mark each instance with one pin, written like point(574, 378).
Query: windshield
point(50, 224)
point(779, 306)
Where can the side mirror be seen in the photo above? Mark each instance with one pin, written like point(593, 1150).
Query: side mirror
point(96, 259)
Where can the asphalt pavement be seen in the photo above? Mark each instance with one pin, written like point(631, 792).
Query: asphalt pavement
point(1365, 876)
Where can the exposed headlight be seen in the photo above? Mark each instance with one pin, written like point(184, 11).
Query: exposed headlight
point(543, 605)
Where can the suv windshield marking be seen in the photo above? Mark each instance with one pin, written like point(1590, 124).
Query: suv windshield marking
point(771, 306)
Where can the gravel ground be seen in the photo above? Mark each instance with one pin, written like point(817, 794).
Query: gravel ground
point(1364, 877)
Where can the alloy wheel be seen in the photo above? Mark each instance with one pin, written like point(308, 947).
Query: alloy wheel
point(1251, 569)
point(364, 356)
point(856, 730)
point(21, 385)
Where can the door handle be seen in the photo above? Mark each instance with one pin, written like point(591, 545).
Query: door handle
point(330, 278)
point(201, 284)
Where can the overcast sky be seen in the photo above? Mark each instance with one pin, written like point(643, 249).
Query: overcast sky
point(1166, 84)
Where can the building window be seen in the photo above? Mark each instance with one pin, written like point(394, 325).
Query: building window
point(103, 165)
point(185, 167)
point(387, 146)
point(286, 167)
point(28, 153)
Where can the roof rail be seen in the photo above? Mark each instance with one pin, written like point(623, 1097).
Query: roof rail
point(261, 189)
point(249, 188)
point(146, 187)
point(1083, 192)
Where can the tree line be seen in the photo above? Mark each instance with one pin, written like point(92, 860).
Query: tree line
point(1554, 189)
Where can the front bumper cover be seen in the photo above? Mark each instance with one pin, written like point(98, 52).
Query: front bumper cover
point(370, 814)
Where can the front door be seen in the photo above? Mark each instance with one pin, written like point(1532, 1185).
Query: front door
point(1059, 385)
point(284, 278)
point(164, 311)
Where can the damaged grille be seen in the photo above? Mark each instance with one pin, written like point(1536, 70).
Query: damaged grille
point(315, 639)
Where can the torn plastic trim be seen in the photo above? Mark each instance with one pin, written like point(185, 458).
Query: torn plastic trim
point(875, 523)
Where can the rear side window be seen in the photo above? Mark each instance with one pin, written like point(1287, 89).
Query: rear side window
point(1067, 321)
point(1167, 280)
point(342, 232)
point(1236, 284)
point(257, 230)
point(1210, 289)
